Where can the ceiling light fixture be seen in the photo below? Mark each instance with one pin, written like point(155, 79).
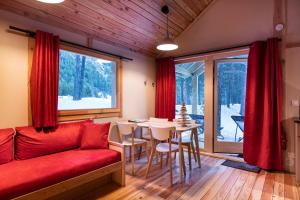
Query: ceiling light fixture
point(51, 1)
point(279, 27)
point(167, 44)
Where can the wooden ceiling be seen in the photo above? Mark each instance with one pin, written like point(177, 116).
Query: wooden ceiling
point(137, 25)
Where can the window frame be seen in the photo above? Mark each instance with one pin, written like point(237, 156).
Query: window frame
point(78, 114)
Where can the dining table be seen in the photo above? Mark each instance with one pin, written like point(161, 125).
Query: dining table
point(192, 128)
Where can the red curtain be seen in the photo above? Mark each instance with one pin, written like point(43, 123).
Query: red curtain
point(262, 133)
point(165, 89)
point(44, 81)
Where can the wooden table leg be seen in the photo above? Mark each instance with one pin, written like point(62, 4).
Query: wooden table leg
point(141, 147)
point(180, 157)
point(195, 132)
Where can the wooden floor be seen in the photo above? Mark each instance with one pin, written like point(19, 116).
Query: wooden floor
point(211, 181)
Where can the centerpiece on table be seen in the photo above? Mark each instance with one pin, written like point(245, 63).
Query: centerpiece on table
point(183, 119)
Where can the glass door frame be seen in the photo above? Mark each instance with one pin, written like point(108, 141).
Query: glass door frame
point(223, 146)
point(195, 77)
point(209, 107)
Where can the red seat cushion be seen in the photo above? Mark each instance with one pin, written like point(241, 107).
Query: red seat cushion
point(6, 145)
point(29, 143)
point(95, 136)
point(23, 176)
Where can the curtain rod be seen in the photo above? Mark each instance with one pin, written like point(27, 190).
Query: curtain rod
point(214, 51)
point(187, 56)
point(32, 34)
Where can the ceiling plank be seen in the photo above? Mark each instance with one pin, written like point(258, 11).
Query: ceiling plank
point(107, 22)
point(158, 14)
point(76, 19)
point(135, 25)
point(173, 14)
point(159, 21)
point(128, 14)
point(186, 8)
point(43, 17)
point(175, 8)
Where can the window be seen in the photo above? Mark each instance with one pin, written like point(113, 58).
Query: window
point(88, 84)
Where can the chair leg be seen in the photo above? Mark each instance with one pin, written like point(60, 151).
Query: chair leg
point(132, 160)
point(129, 157)
point(194, 151)
point(156, 153)
point(150, 161)
point(147, 153)
point(175, 155)
point(171, 168)
point(189, 156)
point(167, 161)
point(182, 161)
point(161, 160)
point(140, 152)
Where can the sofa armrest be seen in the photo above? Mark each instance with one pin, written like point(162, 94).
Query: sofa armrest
point(119, 176)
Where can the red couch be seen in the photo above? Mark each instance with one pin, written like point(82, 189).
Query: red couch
point(44, 161)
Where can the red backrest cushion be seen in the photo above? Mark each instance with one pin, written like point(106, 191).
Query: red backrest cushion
point(95, 136)
point(6, 145)
point(29, 143)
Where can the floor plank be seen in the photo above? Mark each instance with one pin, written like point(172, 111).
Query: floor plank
point(211, 181)
point(257, 189)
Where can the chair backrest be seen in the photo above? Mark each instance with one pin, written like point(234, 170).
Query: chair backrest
point(161, 132)
point(153, 119)
point(126, 128)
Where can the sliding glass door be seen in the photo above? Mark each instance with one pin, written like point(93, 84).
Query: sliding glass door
point(229, 104)
point(190, 90)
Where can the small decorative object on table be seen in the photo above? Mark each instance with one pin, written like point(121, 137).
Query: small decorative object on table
point(184, 119)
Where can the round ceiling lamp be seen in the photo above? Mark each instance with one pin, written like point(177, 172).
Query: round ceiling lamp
point(279, 27)
point(51, 1)
point(167, 44)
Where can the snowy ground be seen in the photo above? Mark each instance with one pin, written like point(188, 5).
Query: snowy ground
point(229, 126)
point(67, 103)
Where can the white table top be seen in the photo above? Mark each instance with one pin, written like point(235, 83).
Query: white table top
point(168, 124)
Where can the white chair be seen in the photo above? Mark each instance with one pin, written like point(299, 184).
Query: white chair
point(189, 143)
point(147, 135)
point(126, 129)
point(163, 134)
point(154, 120)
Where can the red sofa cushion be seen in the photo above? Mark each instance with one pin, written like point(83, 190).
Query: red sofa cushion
point(95, 136)
point(6, 145)
point(29, 143)
point(23, 176)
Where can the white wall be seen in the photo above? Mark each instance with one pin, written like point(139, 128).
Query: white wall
point(138, 99)
point(228, 23)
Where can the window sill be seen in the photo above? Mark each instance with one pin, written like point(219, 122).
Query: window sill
point(74, 117)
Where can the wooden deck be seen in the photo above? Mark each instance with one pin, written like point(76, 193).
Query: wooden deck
point(212, 181)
